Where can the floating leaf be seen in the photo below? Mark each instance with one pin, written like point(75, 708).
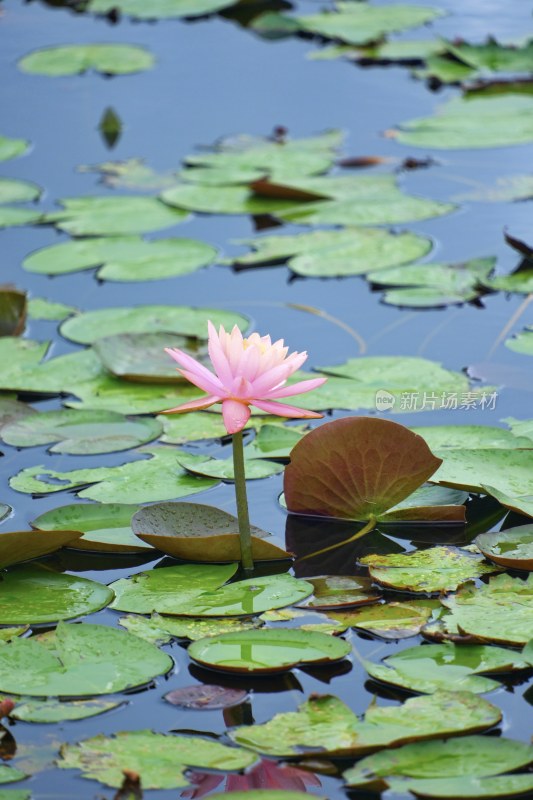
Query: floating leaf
point(11, 148)
point(340, 591)
point(123, 258)
point(131, 174)
point(160, 629)
point(86, 328)
point(106, 527)
point(36, 594)
point(192, 427)
point(509, 471)
point(267, 651)
point(158, 9)
point(473, 122)
point(12, 409)
point(522, 342)
point(206, 696)
point(223, 467)
point(197, 590)
point(24, 545)
point(26, 371)
point(506, 189)
point(142, 357)
point(396, 51)
point(425, 504)
point(325, 725)
point(356, 468)
point(10, 775)
point(274, 441)
point(500, 786)
point(462, 60)
point(475, 437)
point(512, 548)
point(362, 24)
point(48, 711)
point(195, 532)
point(337, 252)
point(40, 308)
point(112, 216)
point(12, 311)
point(11, 216)
point(110, 59)
point(437, 569)
point(158, 478)
point(208, 199)
point(389, 620)
point(466, 758)
point(81, 432)
point(16, 191)
point(106, 392)
point(161, 760)
point(7, 634)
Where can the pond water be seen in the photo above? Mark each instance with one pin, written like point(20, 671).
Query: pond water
point(213, 77)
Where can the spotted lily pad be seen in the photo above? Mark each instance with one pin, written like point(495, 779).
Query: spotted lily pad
point(336, 253)
point(340, 591)
point(466, 758)
point(325, 725)
point(356, 468)
point(161, 629)
point(195, 532)
point(159, 9)
point(11, 148)
point(79, 660)
point(48, 711)
point(508, 471)
point(112, 216)
point(106, 526)
point(81, 432)
point(86, 328)
point(158, 478)
point(198, 590)
point(437, 569)
point(206, 697)
point(36, 594)
point(19, 546)
point(429, 668)
point(110, 59)
point(267, 651)
point(161, 760)
point(390, 620)
point(512, 548)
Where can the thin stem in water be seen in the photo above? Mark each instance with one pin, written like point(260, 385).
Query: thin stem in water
point(242, 503)
point(371, 524)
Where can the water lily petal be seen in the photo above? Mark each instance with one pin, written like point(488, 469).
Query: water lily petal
point(218, 356)
point(194, 405)
point(210, 385)
point(282, 410)
point(235, 415)
point(192, 365)
point(295, 388)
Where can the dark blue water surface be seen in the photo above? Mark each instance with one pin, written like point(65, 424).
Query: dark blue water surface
point(214, 78)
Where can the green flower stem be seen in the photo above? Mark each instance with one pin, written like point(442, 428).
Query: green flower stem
point(242, 503)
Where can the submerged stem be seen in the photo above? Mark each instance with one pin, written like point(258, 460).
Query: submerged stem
point(370, 525)
point(245, 536)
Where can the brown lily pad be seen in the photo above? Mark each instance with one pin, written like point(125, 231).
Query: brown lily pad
point(18, 546)
point(512, 548)
point(13, 307)
point(208, 697)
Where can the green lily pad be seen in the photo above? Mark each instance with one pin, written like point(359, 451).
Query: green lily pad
point(157, 478)
point(11, 148)
point(195, 532)
point(112, 216)
point(106, 392)
point(106, 526)
point(47, 711)
point(426, 505)
point(12, 409)
point(274, 441)
point(325, 725)
point(86, 328)
point(41, 308)
point(208, 199)
point(16, 191)
point(429, 668)
point(353, 468)
point(14, 794)
point(428, 285)
point(336, 253)
point(198, 590)
point(467, 757)
point(159, 9)
point(389, 620)
point(520, 281)
point(506, 189)
point(340, 591)
point(7, 634)
point(437, 569)
point(192, 427)
point(131, 174)
point(160, 629)
point(18, 546)
point(11, 216)
point(142, 357)
point(512, 548)
point(222, 468)
point(10, 775)
point(502, 786)
point(397, 51)
point(509, 471)
point(314, 620)
point(81, 432)
point(267, 651)
point(26, 371)
point(522, 342)
point(499, 612)
point(522, 504)
point(123, 258)
point(474, 121)
point(79, 660)
point(110, 59)
point(475, 437)
point(462, 60)
point(161, 760)
point(362, 24)
point(36, 594)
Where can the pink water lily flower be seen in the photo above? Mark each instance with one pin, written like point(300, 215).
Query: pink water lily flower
point(248, 371)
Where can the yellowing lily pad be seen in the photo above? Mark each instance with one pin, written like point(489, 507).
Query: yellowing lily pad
point(160, 629)
point(18, 546)
point(195, 532)
point(512, 548)
point(267, 651)
point(389, 620)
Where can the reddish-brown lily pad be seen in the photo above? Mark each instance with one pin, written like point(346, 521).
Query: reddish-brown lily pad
point(356, 468)
point(206, 697)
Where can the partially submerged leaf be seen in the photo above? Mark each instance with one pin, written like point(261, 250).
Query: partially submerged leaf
point(389, 620)
point(436, 569)
point(267, 651)
point(79, 660)
point(356, 468)
point(325, 725)
point(206, 697)
point(19, 546)
point(340, 591)
point(110, 59)
point(512, 548)
point(112, 216)
point(131, 174)
point(160, 629)
point(48, 711)
point(36, 594)
point(195, 532)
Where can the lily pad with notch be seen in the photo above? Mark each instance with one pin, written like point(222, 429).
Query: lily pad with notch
point(106, 527)
point(195, 532)
point(17, 546)
point(267, 651)
point(109, 59)
point(141, 357)
point(511, 548)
